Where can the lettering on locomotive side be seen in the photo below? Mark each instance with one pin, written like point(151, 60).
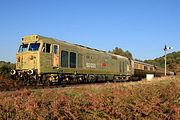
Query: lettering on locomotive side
point(90, 65)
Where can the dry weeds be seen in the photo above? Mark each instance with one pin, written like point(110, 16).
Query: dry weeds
point(156, 99)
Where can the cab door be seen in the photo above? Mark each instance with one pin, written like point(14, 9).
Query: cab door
point(55, 55)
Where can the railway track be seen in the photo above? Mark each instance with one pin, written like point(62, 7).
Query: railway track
point(55, 86)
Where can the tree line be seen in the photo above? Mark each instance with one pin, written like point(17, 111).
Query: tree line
point(173, 61)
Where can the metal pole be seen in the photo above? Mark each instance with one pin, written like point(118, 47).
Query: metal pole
point(165, 63)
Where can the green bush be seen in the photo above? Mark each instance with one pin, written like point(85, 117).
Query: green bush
point(5, 68)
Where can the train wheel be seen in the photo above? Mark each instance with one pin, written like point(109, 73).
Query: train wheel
point(48, 83)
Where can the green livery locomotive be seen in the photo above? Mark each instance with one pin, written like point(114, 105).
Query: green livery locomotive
point(46, 60)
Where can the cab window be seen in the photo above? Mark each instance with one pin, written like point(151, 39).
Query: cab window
point(23, 48)
point(64, 58)
point(46, 48)
point(34, 46)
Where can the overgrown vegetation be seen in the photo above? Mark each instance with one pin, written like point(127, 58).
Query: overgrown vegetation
point(173, 61)
point(5, 68)
point(158, 99)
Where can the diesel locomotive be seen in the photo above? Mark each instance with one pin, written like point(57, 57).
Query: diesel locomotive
point(45, 60)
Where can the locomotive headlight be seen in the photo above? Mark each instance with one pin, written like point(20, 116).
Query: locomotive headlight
point(30, 72)
point(13, 72)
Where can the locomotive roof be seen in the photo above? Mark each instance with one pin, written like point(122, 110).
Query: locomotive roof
point(36, 38)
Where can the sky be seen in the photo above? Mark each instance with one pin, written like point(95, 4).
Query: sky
point(141, 26)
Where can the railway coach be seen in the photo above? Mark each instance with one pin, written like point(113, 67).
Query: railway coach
point(46, 60)
point(141, 69)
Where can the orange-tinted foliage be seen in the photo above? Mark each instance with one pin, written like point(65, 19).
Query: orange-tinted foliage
point(157, 99)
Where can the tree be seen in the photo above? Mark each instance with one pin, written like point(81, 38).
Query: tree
point(128, 54)
point(119, 51)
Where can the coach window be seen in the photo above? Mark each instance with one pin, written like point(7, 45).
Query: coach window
point(145, 68)
point(64, 58)
point(72, 60)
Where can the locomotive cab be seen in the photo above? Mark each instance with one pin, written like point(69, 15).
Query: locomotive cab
point(36, 56)
point(28, 53)
point(27, 58)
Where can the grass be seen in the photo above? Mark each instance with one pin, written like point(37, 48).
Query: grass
point(156, 99)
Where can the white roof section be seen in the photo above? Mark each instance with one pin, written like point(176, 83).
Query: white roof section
point(143, 63)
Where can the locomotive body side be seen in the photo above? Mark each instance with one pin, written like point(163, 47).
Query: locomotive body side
point(43, 59)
